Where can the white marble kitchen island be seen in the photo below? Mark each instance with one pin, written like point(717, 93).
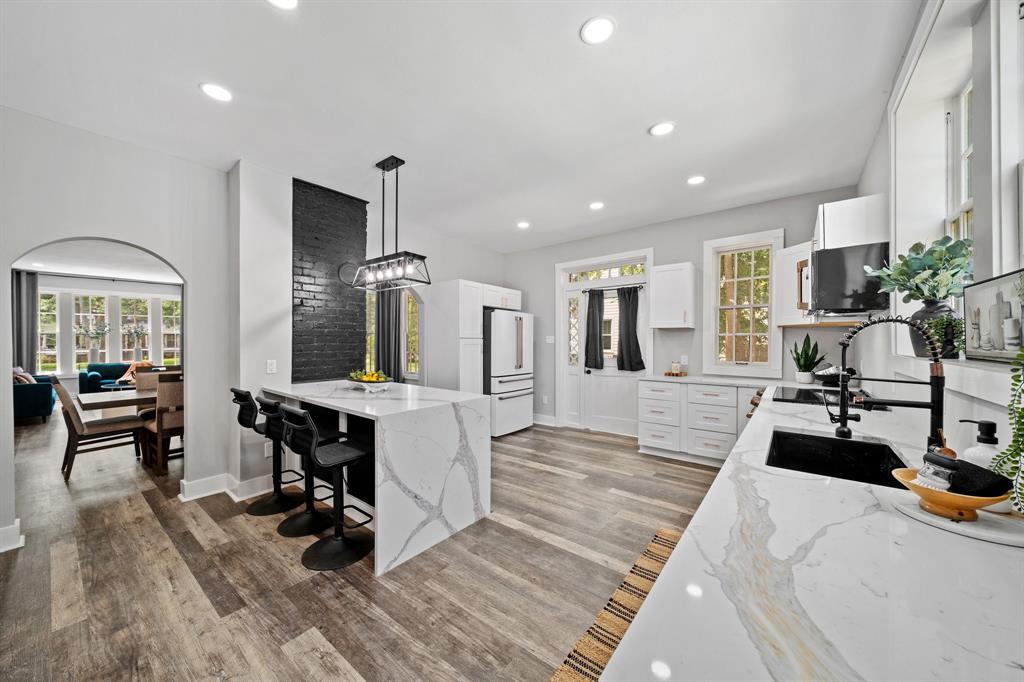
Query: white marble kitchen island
point(432, 469)
point(783, 575)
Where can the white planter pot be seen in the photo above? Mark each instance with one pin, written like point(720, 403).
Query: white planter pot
point(137, 354)
point(805, 377)
point(94, 356)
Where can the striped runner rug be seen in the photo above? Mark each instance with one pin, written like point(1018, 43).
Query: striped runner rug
point(594, 649)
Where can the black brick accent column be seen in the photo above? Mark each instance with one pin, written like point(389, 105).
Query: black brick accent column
point(328, 317)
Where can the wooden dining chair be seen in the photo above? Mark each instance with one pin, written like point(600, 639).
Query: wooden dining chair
point(87, 433)
point(167, 422)
point(146, 380)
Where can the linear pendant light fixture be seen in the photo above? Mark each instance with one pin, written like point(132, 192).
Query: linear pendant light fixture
point(398, 270)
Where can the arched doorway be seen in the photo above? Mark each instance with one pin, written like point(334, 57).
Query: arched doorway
point(130, 299)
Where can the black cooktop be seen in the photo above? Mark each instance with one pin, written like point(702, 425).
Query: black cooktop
point(814, 396)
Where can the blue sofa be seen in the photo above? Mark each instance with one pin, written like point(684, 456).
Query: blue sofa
point(100, 373)
point(34, 400)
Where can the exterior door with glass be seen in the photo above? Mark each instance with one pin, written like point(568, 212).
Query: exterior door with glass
point(608, 395)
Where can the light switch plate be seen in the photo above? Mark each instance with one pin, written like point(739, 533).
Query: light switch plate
point(271, 366)
point(544, 399)
point(549, 339)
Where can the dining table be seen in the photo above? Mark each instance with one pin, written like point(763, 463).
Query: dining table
point(111, 399)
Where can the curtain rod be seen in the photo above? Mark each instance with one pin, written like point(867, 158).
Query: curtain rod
point(628, 286)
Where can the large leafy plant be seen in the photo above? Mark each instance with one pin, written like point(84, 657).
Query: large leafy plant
point(1010, 462)
point(934, 273)
point(93, 333)
point(806, 357)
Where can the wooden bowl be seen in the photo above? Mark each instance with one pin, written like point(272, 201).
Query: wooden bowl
point(944, 503)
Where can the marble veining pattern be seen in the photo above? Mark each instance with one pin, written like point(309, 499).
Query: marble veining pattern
point(785, 575)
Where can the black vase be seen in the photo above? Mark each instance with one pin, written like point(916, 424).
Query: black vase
point(930, 311)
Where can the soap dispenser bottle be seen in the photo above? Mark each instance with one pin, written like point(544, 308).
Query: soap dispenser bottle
point(987, 448)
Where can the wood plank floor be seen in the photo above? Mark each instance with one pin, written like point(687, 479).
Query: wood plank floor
point(119, 579)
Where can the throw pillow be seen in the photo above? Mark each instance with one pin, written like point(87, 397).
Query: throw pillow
point(20, 372)
point(20, 379)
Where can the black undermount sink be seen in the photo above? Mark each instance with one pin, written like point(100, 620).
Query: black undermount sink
point(855, 460)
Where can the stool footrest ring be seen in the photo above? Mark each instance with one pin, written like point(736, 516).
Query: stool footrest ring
point(361, 523)
point(299, 476)
point(325, 497)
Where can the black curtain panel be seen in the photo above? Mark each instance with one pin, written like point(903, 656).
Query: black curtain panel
point(25, 316)
point(629, 357)
point(594, 354)
point(389, 333)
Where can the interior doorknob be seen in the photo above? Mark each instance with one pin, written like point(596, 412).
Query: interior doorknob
point(588, 371)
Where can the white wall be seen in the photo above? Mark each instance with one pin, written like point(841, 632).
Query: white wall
point(447, 257)
point(58, 182)
point(673, 242)
point(261, 235)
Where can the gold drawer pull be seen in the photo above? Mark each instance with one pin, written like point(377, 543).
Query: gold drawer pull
point(710, 418)
point(657, 435)
point(657, 411)
point(710, 445)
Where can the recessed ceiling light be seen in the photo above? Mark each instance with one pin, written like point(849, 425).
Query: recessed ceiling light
point(597, 30)
point(284, 4)
point(38, 265)
point(695, 180)
point(522, 224)
point(217, 92)
point(663, 128)
point(596, 205)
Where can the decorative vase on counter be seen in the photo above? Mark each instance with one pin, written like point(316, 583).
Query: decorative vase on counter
point(94, 355)
point(805, 377)
point(137, 354)
point(930, 311)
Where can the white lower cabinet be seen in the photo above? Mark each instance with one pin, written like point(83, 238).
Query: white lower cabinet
point(676, 419)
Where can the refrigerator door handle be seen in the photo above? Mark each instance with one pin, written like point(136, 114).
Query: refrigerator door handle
point(512, 381)
point(519, 342)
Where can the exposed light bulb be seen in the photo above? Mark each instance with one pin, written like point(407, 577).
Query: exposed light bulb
point(409, 269)
point(369, 275)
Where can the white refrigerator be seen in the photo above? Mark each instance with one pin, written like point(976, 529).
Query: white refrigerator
point(508, 369)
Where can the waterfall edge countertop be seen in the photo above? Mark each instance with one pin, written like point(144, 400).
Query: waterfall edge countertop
point(432, 460)
point(785, 575)
point(345, 396)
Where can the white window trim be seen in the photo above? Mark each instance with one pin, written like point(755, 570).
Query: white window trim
point(417, 376)
point(773, 370)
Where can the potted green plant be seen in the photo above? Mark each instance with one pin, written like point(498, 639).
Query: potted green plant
point(135, 333)
point(806, 359)
point(95, 335)
point(1010, 462)
point(932, 275)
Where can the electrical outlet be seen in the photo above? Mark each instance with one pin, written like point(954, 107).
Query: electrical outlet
point(268, 450)
point(271, 366)
point(549, 339)
point(684, 360)
point(544, 399)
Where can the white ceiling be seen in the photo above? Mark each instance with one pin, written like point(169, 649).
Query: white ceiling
point(501, 112)
point(98, 258)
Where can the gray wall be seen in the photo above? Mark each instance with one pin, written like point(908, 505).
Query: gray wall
point(328, 316)
point(673, 242)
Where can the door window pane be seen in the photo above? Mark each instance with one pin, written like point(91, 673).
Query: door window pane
point(574, 331)
point(610, 325)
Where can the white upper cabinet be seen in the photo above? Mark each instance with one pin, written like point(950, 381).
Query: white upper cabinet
point(864, 220)
point(471, 309)
point(500, 297)
point(791, 285)
point(672, 296)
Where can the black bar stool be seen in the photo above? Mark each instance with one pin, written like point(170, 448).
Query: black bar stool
point(272, 428)
point(337, 550)
point(310, 520)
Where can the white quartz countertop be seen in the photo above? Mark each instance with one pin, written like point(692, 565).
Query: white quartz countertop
point(346, 396)
point(785, 575)
point(713, 380)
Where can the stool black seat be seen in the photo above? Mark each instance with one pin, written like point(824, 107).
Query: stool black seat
point(272, 427)
point(336, 550)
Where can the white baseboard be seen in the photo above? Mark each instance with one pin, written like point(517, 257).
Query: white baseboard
point(203, 487)
point(11, 537)
point(544, 419)
point(682, 456)
point(239, 491)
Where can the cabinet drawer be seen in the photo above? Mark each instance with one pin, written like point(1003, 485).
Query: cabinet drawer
point(709, 443)
point(657, 436)
point(659, 412)
point(713, 395)
point(660, 390)
point(711, 418)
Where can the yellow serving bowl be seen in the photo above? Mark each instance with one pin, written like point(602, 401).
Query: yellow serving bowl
point(944, 503)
